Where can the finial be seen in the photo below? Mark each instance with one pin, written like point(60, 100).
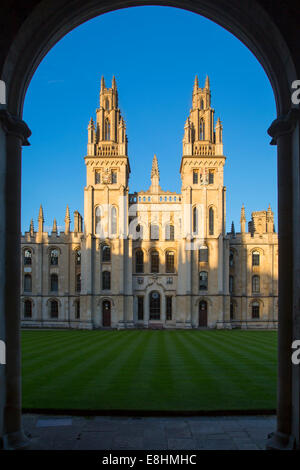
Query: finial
point(41, 214)
point(31, 227)
point(102, 83)
point(54, 228)
point(206, 82)
point(113, 83)
point(232, 229)
point(196, 84)
point(154, 170)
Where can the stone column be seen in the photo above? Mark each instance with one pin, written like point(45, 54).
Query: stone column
point(284, 130)
point(16, 132)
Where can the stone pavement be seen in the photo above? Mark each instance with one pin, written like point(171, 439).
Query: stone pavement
point(143, 433)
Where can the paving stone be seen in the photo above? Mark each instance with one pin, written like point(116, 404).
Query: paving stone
point(177, 430)
point(182, 444)
point(94, 441)
point(53, 422)
point(216, 444)
point(122, 443)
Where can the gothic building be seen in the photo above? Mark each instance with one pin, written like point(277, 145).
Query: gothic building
point(155, 258)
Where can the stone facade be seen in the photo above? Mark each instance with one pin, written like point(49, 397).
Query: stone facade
point(154, 258)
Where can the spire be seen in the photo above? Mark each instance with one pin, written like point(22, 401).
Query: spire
point(54, 228)
point(31, 228)
point(154, 170)
point(232, 230)
point(154, 176)
point(113, 83)
point(243, 219)
point(67, 221)
point(207, 82)
point(269, 208)
point(196, 85)
point(41, 219)
point(102, 84)
point(91, 124)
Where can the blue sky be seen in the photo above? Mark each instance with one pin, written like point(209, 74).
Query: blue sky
point(155, 53)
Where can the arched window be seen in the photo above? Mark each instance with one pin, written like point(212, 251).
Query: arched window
point(105, 280)
point(231, 258)
point(203, 254)
point(255, 310)
point(202, 130)
point(78, 282)
point(169, 232)
point(78, 257)
point(27, 283)
point(113, 221)
point(211, 221)
point(77, 309)
point(98, 222)
point(154, 232)
point(27, 309)
point(27, 258)
point(140, 232)
point(203, 280)
point(54, 283)
point(170, 262)
point(54, 257)
point(139, 261)
point(106, 253)
point(106, 104)
point(53, 309)
point(231, 284)
point(201, 104)
point(255, 284)
point(195, 221)
point(255, 258)
point(154, 306)
point(154, 262)
point(107, 130)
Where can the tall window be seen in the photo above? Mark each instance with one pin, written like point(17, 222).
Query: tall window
point(54, 283)
point(154, 262)
point(203, 254)
point(170, 262)
point(195, 176)
point(231, 258)
point(77, 309)
point(106, 280)
point(27, 257)
point(211, 221)
point(255, 310)
point(255, 258)
point(54, 257)
point(201, 130)
point(195, 220)
point(154, 232)
point(27, 309)
point(230, 284)
point(27, 283)
point(169, 232)
point(54, 309)
point(106, 253)
point(114, 177)
point(231, 311)
point(113, 222)
point(168, 307)
point(201, 104)
point(98, 221)
point(78, 257)
point(139, 261)
point(107, 104)
point(211, 177)
point(140, 307)
point(203, 280)
point(255, 284)
point(107, 130)
point(154, 306)
point(97, 177)
point(78, 282)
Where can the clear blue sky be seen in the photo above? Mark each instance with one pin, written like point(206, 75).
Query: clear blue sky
point(155, 53)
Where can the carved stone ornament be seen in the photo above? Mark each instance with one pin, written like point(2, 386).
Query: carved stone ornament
point(106, 178)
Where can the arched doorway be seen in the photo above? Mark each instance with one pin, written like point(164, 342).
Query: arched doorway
point(106, 313)
point(202, 314)
point(154, 305)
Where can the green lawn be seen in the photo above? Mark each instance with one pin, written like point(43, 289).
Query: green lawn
point(149, 370)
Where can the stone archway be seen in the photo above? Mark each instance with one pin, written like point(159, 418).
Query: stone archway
point(34, 30)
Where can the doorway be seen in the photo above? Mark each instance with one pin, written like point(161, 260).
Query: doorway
point(203, 314)
point(106, 313)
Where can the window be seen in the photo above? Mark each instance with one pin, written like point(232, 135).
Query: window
point(170, 264)
point(27, 258)
point(107, 104)
point(211, 177)
point(139, 261)
point(54, 283)
point(113, 222)
point(106, 255)
point(78, 257)
point(255, 310)
point(98, 221)
point(169, 280)
point(255, 284)
point(231, 258)
point(97, 177)
point(202, 130)
point(107, 130)
point(27, 283)
point(140, 307)
point(54, 309)
point(211, 221)
point(195, 220)
point(77, 309)
point(78, 282)
point(169, 232)
point(154, 262)
point(54, 257)
point(140, 231)
point(113, 177)
point(203, 254)
point(195, 176)
point(255, 258)
point(27, 309)
point(230, 284)
point(201, 104)
point(169, 307)
point(106, 280)
point(203, 280)
point(154, 232)
point(154, 306)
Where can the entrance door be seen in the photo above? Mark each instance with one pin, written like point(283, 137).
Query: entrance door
point(202, 314)
point(154, 306)
point(106, 313)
